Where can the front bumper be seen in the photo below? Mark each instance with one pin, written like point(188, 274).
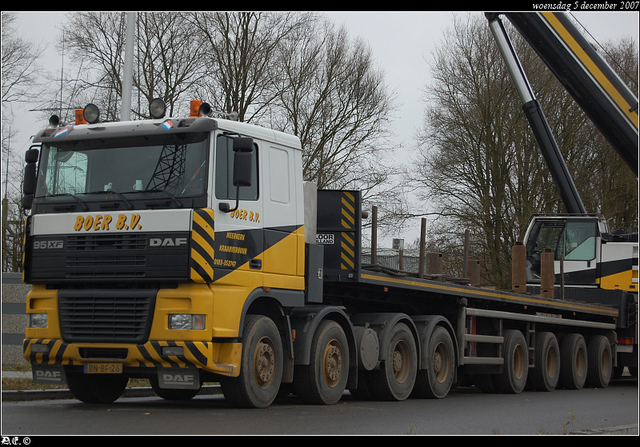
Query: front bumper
point(218, 358)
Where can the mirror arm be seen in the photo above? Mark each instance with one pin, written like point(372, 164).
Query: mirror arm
point(224, 207)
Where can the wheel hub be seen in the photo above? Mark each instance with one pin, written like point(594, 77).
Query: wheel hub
point(332, 363)
point(264, 363)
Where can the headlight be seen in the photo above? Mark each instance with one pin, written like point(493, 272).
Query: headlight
point(186, 321)
point(38, 321)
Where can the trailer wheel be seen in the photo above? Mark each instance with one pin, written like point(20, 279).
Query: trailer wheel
point(600, 367)
point(513, 378)
point(573, 361)
point(397, 374)
point(261, 368)
point(545, 375)
point(324, 380)
point(96, 389)
point(435, 381)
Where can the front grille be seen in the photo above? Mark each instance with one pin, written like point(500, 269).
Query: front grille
point(110, 316)
point(107, 242)
point(129, 258)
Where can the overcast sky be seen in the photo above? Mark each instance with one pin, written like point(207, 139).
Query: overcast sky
point(402, 45)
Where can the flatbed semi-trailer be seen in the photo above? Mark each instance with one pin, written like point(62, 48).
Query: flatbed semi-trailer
point(186, 250)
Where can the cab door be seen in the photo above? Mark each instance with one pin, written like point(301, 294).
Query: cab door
point(578, 249)
point(237, 204)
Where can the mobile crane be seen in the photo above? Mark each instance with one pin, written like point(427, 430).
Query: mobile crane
point(591, 262)
point(189, 249)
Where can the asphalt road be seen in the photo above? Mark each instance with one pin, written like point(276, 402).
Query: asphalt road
point(466, 411)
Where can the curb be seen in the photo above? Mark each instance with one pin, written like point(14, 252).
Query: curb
point(619, 430)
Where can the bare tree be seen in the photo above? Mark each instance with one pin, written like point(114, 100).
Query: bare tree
point(96, 41)
point(168, 61)
point(335, 100)
point(19, 64)
point(479, 161)
point(240, 58)
point(20, 84)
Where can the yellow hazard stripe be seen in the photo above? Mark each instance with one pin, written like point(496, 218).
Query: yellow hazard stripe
point(348, 221)
point(202, 252)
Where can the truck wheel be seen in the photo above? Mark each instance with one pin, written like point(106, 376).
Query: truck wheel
point(600, 365)
point(573, 361)
point(324, 380)
point(96, 389)
point(397, 374)
point(261, 368)
point(436, 379)
point(545, 376)
point(516, 363)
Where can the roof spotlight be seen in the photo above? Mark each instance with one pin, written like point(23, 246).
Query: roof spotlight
point(91, 113)
point(157, 108)
point(204, 109)
point(54, 120)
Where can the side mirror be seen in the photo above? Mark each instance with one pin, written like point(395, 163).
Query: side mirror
point(29, 184)
point(242, 162)
point(242, 166)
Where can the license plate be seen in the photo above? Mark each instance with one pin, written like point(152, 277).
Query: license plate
point(103, 368)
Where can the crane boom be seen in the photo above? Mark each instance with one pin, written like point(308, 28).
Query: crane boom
point(533, 111)
point(599, 91)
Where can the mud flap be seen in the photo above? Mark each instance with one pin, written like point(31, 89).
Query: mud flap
point(179, 379)
point(49, 375)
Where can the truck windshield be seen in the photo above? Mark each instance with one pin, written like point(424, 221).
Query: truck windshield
point(173, 164)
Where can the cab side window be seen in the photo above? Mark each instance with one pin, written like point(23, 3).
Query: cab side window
point(224, 172)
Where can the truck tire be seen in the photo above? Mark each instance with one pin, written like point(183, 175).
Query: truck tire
point(436, 379)
point(96, 388)
point(397, 374)
point(573, 361)
point(261, 366)
point(600, 365)
point(324, 380)
point(513, 378)
point(545, 375)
